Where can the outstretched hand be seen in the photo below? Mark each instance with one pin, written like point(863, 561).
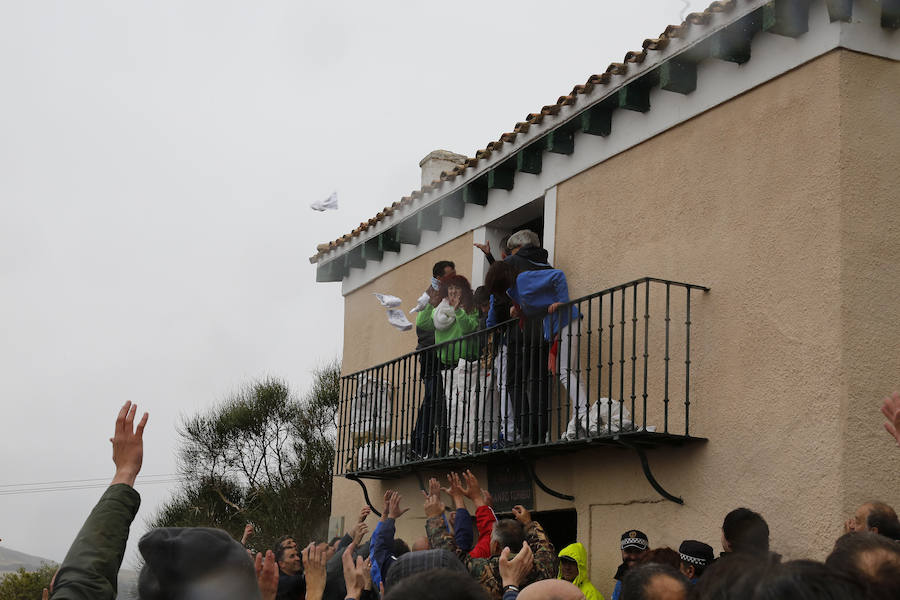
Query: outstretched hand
point(473, 488)
point(485, 247)
point(514, 572)
point(128, 445)
point(891, 411)
point(393, 506)
point(354, 576)
point(455, 490)
point(314, 559)
point(521, 514)
point(433, 505)
point(266, 575)
point(363, 513)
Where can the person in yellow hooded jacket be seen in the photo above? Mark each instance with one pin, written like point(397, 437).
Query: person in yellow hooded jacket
point(573, 567)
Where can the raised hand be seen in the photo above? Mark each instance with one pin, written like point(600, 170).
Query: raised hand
point(455, 490)
point(248, 533)
point(364, 512)
point(485, 247)
point(433, 505)
point(521, 514)
point(514, 572)
point(354, 578)
point(266, 574)
point(891, 411)
point(434, 488)
point(473, 487)
point(488, 499)
point(387, 498)
point(314, 571)
point(393, 506)
point(128, 445)
point(360, 532)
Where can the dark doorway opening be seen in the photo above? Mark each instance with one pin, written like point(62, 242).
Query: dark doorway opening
point(561, 526)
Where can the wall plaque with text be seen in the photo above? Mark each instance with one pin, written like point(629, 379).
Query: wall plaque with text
point(510, 484)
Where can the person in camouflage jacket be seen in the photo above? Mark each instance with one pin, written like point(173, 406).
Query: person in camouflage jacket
point(487, 570)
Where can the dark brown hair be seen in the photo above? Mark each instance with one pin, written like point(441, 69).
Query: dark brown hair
point(467, 301)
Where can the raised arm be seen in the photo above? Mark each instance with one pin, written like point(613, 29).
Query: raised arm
point(544, 553)
point(463, 533)
point(424, 318)
point(91, 567)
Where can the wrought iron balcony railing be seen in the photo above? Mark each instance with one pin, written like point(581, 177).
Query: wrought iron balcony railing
point(611, 367)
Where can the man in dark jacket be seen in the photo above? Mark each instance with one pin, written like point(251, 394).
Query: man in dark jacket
point(529, 352)
point(91, 567)
point(432, 409)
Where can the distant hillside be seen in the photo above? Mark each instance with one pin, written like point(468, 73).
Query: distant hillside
point(12, 560)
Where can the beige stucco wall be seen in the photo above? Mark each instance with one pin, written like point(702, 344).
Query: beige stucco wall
point(783, 201)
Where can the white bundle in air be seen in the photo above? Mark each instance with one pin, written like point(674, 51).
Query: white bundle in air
point(398, 319)
point(329, 203)
point(421, 303)
point(388, 301)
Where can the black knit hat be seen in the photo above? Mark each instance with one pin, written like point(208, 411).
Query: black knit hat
point(423, 560)
point(197, 563)
point(696, 553)
point(635, 540)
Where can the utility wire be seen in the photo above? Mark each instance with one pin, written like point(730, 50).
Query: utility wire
point(4, 485)
point(81, 485)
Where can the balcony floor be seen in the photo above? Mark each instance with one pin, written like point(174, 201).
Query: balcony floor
point(644, 440)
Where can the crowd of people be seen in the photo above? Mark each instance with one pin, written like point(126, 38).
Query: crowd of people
point(511, 370)
point(461, 558)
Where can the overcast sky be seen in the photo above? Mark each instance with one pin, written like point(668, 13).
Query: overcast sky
point(157, 161)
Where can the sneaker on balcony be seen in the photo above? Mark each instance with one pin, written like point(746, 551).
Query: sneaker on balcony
point(411, 455)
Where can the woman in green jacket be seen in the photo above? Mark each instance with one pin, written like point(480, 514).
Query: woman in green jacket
point(453, 317)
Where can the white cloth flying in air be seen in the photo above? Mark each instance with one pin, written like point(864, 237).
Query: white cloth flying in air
point(398, 319)
point(388, 301)
point(329, 203)
point(421, 303)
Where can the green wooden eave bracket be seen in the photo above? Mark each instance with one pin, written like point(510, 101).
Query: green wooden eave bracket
point(839, 10)
point(502, 177)
point(890, 14)
point(786, 17)
point(371, 251)
point(530, 159)
point(476, 192)
point(635, 96)
point(678, 76)
point(354, 259)
point(389, 241)
point(453, 205)
point(561, 141)
point(429, 218)
point(733, 43)
point(408, 232)
point(597, 120)
point(331, 271)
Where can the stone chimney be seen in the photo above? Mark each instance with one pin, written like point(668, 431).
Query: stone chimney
point(437, 161)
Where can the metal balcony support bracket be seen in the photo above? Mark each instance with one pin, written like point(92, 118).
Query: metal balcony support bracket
point(544, 487)
point(352, 477)
point(421, 481)
point(645, 465)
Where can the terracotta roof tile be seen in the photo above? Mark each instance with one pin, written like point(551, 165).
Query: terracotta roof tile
point(635, 57)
